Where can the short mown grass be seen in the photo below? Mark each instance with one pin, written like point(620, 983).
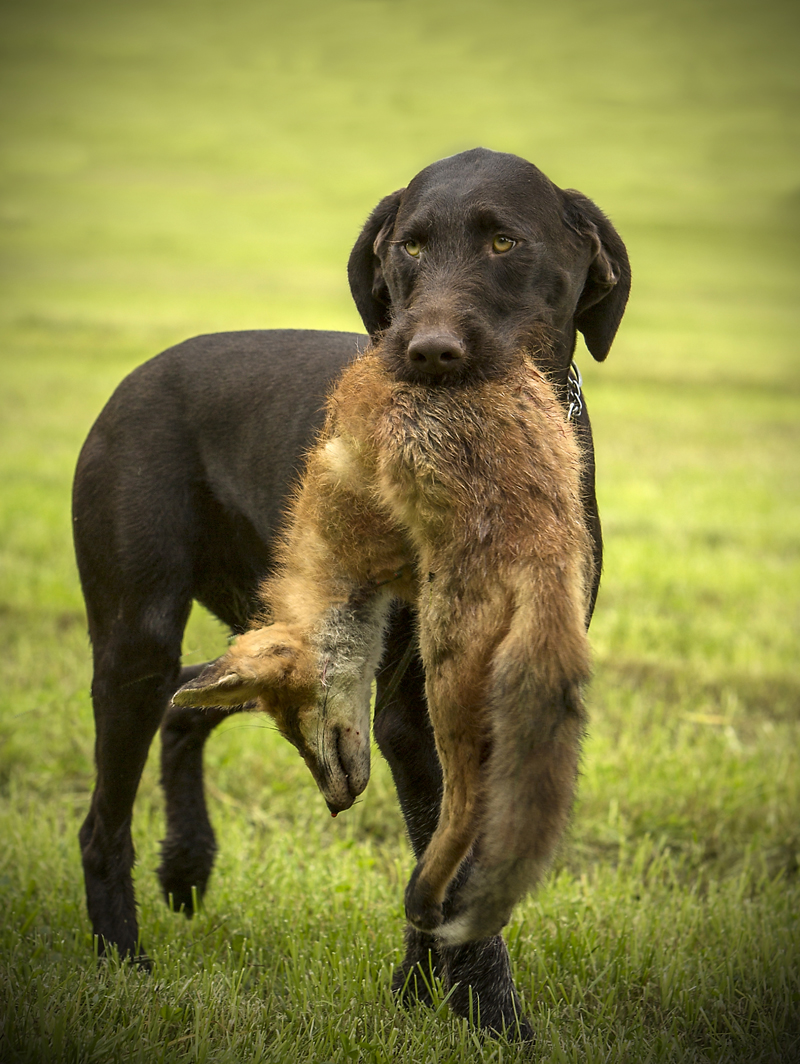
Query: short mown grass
point(173, 168)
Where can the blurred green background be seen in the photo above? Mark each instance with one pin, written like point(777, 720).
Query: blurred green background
point(207, 165)
point(170, 168)
point(175, 168)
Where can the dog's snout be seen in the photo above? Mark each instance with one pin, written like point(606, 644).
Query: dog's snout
point(436, 353)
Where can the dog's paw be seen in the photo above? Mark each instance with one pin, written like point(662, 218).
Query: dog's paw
point(420, 973)
point(185, 869)
point(478, 975)
point(423, 909)
point(411, 985)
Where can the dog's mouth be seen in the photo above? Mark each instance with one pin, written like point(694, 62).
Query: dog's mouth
point(443, 355)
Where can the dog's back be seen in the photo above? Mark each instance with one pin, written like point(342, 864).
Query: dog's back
point(204, 440)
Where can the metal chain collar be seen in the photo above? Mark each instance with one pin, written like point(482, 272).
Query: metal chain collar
point(574, 394)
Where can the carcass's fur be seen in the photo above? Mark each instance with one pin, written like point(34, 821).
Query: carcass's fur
point(463, 500)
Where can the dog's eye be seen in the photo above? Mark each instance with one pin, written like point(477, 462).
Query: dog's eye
point(413, 247)
point(502, 243)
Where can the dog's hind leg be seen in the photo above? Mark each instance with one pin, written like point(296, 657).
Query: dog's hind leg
point(137, 661)
point(136, 572)
point(189, 847)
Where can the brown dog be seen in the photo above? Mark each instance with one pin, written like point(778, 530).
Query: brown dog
point(465, 502)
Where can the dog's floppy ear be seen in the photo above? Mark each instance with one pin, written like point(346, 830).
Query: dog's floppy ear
point(257, 663)
point(608, 282)
point(364, 267)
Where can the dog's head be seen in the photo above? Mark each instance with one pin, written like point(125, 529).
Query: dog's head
point(277, 669)
point(482, 256)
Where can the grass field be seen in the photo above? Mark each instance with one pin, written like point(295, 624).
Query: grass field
point(171, 168)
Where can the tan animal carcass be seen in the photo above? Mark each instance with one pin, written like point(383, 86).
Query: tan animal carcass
point(464, 500)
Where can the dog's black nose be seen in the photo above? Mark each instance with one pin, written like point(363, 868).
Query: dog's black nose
point(435, 353)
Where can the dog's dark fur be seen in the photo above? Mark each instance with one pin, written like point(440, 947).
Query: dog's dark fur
point(182, 480)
